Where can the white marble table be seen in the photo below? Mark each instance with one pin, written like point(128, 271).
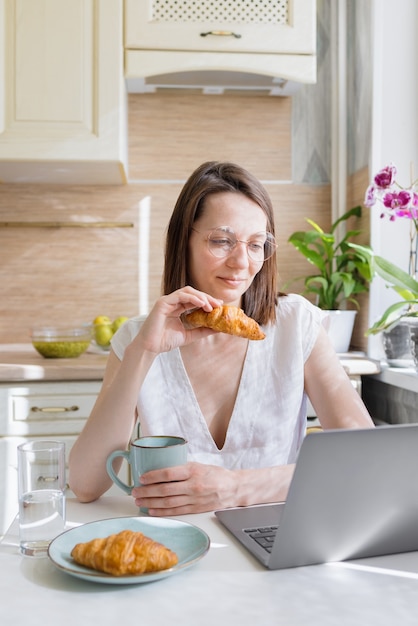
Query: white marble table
point(226, 586)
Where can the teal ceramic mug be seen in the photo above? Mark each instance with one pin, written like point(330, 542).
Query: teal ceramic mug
point(146, 454)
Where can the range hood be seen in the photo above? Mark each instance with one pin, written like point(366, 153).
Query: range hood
point(214, 82)
point(147, 71)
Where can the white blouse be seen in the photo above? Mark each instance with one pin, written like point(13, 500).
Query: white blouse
point(268, 421)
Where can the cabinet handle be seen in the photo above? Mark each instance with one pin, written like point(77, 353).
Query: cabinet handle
point(221, 33)
point(54, 409)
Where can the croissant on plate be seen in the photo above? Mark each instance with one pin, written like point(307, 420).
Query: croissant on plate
point(227, 319)
point(124, 553)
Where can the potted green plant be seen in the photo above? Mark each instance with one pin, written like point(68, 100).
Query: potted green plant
point(342, 272)
point(403, 283)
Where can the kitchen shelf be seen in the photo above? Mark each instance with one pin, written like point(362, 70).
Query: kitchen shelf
point(66, 225)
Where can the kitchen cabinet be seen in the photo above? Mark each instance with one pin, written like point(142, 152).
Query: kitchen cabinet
point(272, 38)
point(284, 26)
point(40, 410)
point(391, 396)
point(63, 110)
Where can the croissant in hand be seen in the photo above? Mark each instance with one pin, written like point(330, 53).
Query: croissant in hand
point(124, 553)
point(227, 319)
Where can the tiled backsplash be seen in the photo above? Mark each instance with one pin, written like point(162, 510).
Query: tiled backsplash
point(51, 274)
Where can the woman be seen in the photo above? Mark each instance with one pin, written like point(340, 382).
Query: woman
point(241, 405)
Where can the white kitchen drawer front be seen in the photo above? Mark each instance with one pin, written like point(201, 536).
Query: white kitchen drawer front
point(46, 408)
point(283, 26)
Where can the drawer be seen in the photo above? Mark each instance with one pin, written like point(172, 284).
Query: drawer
point(46, 408)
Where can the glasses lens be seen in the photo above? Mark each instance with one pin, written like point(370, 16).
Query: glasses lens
point(256, 247)
point(270, 246)
point(221, 243)
point(261, 246)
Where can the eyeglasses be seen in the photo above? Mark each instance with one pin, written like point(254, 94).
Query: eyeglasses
point(222, 241)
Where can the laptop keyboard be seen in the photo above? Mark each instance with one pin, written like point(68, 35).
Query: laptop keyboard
point(263, 536)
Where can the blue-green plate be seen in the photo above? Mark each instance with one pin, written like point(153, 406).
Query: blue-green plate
point(187, 541)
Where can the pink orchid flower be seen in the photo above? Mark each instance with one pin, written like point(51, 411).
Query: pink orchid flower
point(386, 177)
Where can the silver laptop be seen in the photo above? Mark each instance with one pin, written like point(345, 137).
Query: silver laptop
point(354, 494)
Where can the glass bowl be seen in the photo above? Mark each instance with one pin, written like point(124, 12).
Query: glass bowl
point(61, 342)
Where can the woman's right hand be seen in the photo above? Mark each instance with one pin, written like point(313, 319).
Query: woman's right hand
point(163, 329)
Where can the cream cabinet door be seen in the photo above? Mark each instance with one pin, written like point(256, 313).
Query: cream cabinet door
point(64, 95)
point(280, 27)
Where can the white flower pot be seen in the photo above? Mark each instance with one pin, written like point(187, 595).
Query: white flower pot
point(341, 329)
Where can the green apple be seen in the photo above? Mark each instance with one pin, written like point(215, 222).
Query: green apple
point(102, 319)
point(117, 323)
point(103, 333)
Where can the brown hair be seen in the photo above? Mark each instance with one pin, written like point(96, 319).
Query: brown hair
point(259, 301)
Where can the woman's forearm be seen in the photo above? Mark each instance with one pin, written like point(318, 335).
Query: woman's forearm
point(261, 486)
point(109, 426)
point(197, 487)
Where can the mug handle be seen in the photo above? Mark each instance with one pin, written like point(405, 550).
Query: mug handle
point(109, 467)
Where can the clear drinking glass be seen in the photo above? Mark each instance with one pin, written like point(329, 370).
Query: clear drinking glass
point(41, 481)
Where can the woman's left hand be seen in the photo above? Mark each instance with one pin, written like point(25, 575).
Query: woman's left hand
point(190, 488)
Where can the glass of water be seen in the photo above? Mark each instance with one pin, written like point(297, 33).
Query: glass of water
point(41, 480)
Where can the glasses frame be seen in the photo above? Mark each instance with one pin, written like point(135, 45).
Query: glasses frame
point(229, 230)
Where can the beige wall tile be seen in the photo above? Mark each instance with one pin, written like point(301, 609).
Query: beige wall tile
point(61, 275)
point(170, 134)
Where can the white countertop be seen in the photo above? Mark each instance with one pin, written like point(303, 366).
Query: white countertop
point(226, 587)
point(21, 362)
point(403, 377)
